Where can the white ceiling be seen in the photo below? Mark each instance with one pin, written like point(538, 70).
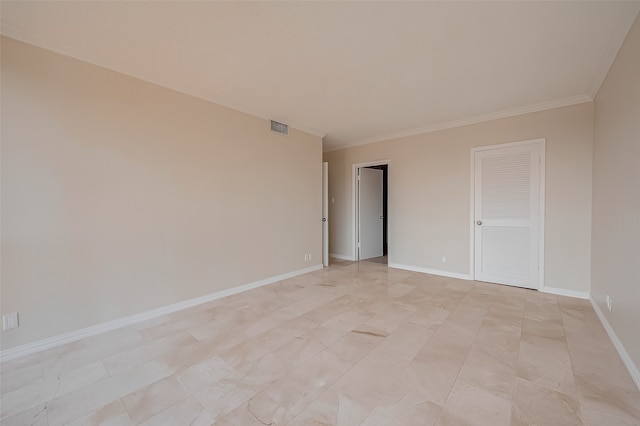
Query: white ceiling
point(356, 72)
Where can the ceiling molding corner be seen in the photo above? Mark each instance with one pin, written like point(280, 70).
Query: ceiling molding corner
point(557, 103)
point(626, 18)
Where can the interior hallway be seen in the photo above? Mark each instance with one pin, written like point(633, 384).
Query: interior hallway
point(355, 343)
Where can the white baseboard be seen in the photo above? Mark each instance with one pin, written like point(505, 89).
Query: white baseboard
point(52, 342)
point(430, 271)
point(563, 292)
point(626, 359)
point(341, 257)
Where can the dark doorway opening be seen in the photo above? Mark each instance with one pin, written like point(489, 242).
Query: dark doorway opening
point(385, 171)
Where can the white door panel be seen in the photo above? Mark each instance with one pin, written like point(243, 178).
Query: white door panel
point(506, 210)
point(370, 213)
point(325, 213)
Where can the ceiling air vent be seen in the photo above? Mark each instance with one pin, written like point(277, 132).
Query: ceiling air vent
point(279, 127)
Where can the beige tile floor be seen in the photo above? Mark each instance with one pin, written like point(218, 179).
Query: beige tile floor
point(353, 344)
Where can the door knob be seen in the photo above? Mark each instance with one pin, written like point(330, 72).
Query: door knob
point(479, 222)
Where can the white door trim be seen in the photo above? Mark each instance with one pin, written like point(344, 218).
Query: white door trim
point(354, 202)
point(541, 144)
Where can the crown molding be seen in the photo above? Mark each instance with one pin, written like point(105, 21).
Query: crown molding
point(557, 103)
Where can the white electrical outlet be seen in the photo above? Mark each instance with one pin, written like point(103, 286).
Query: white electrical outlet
point(10, 321)
point(444, 259)
point(309, 256)
point(609, 302)
point(306, 257)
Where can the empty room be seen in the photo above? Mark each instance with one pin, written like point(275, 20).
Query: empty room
point(320, 213)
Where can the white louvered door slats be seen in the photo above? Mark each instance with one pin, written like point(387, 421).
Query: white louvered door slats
point(506, 214)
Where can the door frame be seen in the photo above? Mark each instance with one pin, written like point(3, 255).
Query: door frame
point(355, 205)
point(541, 142)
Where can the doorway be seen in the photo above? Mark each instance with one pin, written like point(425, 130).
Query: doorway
point(385, 188)
point(325, 214)
point(508, 213)
point(370, 204)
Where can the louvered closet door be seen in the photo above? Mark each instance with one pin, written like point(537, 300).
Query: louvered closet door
point(506, 210)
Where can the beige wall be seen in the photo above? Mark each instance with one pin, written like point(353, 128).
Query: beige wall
point(429, 191)
point(616, 196)
point(119, 196)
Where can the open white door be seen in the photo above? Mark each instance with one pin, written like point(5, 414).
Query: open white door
point(371, 217)
point(325, 213)
point(507, 214)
